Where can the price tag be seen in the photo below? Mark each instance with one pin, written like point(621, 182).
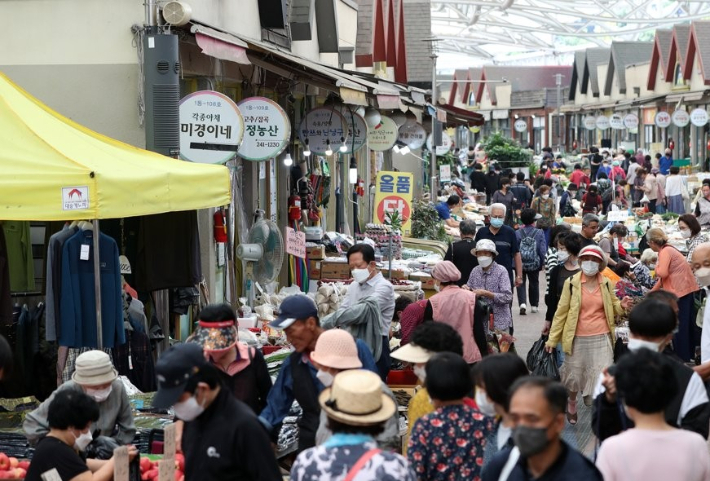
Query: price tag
point(84, 254)
point(120, 464)
point(295, 242)
point(51, 475)
point(169, 447)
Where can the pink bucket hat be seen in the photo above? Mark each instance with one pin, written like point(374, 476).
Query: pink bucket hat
point(336, 348)
point(446, 272)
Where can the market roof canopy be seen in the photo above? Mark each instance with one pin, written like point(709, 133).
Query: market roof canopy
point(48, 164)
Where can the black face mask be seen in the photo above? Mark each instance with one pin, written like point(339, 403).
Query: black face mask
point(530, 441)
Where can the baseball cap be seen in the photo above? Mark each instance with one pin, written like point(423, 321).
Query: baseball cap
point(174, 369)
point(294, 307)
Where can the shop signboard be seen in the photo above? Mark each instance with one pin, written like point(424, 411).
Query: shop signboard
point(323, 126)
point(680, 118)
point(295, 242)
point(649, 116)
point(616, 122)
point(394, 192)
point(357, 131)
point(590, 123)
point(520, 125)
point(383, 136)
point(267, 129)
point(445, 146)
point(699, 117)
point(663, 120)
point(211, 127)
point(445, 173)
point(412, 134)
point(602, 122)
point(631, 121)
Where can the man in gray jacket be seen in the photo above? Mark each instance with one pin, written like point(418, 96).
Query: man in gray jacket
point(95, 376)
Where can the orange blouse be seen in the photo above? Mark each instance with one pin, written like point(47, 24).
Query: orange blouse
point(674, 273)
point(592, 319)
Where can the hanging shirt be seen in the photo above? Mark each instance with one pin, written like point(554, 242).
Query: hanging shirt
point(54, 279)
point(19, 251)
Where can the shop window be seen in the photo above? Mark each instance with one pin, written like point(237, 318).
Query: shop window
point(678, 80)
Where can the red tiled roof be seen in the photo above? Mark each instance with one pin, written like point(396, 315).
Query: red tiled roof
point(698, 46)
point(659, 57)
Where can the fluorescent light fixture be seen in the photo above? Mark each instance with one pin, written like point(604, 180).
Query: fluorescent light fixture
point(404, 150)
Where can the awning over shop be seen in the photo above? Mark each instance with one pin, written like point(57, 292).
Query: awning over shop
point(686, 97)
point(648, 101)
point(55, 169)
point(461, 116)
point(220, 45)
point(570, 108)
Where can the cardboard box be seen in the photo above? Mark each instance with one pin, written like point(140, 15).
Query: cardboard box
point(315, 253)
point(396, 273)
point(314, 270)
point(426, 280)
point(334, 270)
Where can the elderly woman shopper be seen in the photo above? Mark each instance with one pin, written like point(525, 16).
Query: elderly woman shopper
point(448, 443)
point(357, 411)
point(455, 306)
point(676, 191)
point(675, 275)
point(702, 206)
point(490, 281)
point(96, 377)
point(585, 323)
point(690, 230)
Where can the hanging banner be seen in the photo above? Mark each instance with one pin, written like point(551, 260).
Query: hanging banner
point(211, 127)
point(631, 121)
point(445, 146)
point(662, 119)
point(616, 122)
point(357, 130)
point(394, 192)
point(412, 134)
point(520, 125)
point(323, 126)
point(699, 117)
point(590, 123)
point(680, 118)
point(267, 129)
point(602, 122)
point(383, 136)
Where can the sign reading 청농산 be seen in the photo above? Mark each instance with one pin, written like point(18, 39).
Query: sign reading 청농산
point(323, 126)
point(394, 192)
point(295, 242)
point(211, 127)
point(267, 129)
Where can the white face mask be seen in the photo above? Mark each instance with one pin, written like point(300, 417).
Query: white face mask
point(653, 266)
point(99, 395)
point(703, 276)
point(636, 344)
point(188, 410)
point(325, 378)
point(590, 268)
point(82, 441)
point(685, 233)
point(420, 372)
point(562, 256)
point(545, 196)
point(360, 275)
point(484, 261)
point(484, 404)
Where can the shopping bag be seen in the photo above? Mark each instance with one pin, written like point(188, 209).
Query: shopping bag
point(547, 366)
point(535, 353)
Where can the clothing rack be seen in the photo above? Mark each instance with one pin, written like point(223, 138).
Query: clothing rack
point(25, 294)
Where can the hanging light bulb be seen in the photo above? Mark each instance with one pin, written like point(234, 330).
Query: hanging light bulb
point(328, 150)
point(288, 161)
point(396, 148)
point(343, 145)
point(405, 150)
point(306, 149)
point(353, 171)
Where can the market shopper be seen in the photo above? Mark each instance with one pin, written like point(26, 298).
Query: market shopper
point(357, 411)
point(591, 201)
point(492, 181)
point(222, 438)
point(605, 191)
point(478, 178)
point(654, 448)
point(505, 197)
point(508, 252)
point(595, 161)
point(701, 269)
point(569, 245)
point(412, 316)
point(532, 244)
point(676, 192)
point(690, 230)
point(585, 324)
point(455, 306)
point(444, 210)
point(651, 325)
point(702, 207)
point(459, 252)
point(70, 415)
point(666, 162)
point(95, 376)
point(611, 241)
point(675, 275)
point(551, 256)
point(545, 207)
point(491, 283)
point(448, 443)
point(566, 207)
point(369, 281)
point(298, 377)
point(537, 410)
point(590, 226)
point(336, 352)
point(523, 193)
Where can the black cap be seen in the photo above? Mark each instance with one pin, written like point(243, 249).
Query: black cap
point(174, 369)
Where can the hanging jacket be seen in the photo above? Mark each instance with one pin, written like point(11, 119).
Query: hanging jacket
point(362, 320)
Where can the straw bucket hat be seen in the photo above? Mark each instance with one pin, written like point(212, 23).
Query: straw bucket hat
point(356, 399)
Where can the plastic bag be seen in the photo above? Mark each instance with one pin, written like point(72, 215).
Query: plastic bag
point(547, 366)
point(535, 353)
point(101, 448)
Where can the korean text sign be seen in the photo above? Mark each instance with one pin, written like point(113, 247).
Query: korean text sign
point(394, 192)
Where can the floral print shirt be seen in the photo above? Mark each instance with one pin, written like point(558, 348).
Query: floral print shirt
point(496, 280)
point(447, 445)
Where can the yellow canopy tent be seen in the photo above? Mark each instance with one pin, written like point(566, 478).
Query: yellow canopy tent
point(52, 168)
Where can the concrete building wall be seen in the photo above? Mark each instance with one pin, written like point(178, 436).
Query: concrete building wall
point(417, 27)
